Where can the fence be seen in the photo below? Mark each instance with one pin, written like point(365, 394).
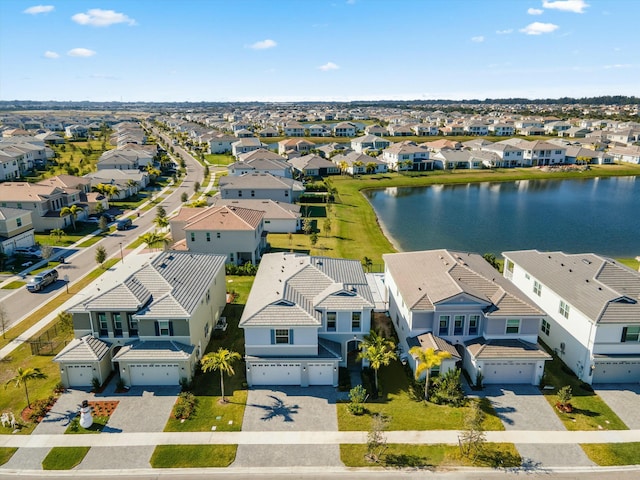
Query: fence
point(50, 342)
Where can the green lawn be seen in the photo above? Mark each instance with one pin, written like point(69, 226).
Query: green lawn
point(590, 412)
point(97, 426)
point(64, 458)
point(14, 285)
point(219, 159)
point(609, 454)
point(495, 455)
point(405, 412)
point(193, 456)
point(6, 453)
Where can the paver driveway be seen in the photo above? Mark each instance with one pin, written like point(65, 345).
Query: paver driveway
point(289, 409)
point(624, 400)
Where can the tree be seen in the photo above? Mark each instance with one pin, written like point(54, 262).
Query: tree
point(221, 361)
point(154, 239)
point(65, 321)
point(101, 255)
point(184, 197)
point(57, 234)
point(326, 226)
point(161, 212)
point(196, 187)
point(376, 439)
point(46, 252)
point(307, 225)
point(4, 320)
point(72, 210)
point(408, 164)
point(314, 239)
point(426, 359)
point(25, 375)
point(491, 258)
point(367, 263)
point(161, 222)
point(370, 167)
point(378, 351)
point(103, 224)
point(472, 438)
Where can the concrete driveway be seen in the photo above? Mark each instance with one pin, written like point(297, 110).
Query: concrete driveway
point(523, 407)
point(624, 399)
point(289, 409)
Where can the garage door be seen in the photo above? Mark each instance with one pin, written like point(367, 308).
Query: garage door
point(320, 374)
point(275, 374)
point(508, 372)
point(79, 375)
point(155, 374)
point(617, 372)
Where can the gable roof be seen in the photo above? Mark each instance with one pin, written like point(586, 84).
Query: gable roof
point(259, 181)
point(84, 349)
point(224, 217)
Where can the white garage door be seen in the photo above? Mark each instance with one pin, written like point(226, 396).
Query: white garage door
point(275, 374)
point(508, 372)
point(320, 374)
point(617, 372)
point(79, 375)
point(155, 374)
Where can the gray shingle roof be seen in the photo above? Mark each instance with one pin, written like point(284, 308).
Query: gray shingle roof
point(505, 348)
point(602, 289)
point(156, 350)
point(84, 349)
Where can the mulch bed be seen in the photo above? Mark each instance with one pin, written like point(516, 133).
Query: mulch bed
point(103, 408)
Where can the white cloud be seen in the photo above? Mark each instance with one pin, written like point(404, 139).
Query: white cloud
point(81, 52)
point(504, 32)
point(328, 66)
point(35, 10)
point(351, 2)
point(535, 11)
point(618, 65)
point(538, 28)
point(97, 17)
point(478, 39)
point(50, 54)
point(575, 6)
point(263, 44)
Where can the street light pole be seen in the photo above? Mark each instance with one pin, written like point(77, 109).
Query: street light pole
point(121, 255)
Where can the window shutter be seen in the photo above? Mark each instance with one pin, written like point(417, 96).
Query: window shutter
point(624, 334)
point(157, 325)
point(273, 337)
point(291, 337)
point(171, 328)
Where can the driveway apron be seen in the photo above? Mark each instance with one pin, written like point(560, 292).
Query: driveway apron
point(289, 409)
point(624, 400)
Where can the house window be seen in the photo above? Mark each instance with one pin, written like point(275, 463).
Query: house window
point(19, 205)
point(444, 325)
point(133, 325)
point(564, 309)
point(208, 236)
point(631, 334)
point(206, 330)
point(286, 193)
point(163, 328)
point(103, 325)
point(117, 324)
point(545, 327)
point(217, 234)
point(355, 321)
point(474, 321)
point(331, 321)
point(193, 237)
point(282, 336)
point(458, 325)
point(239, 193)
point(537, 288)
point(19, 221)
point(513, 325)
point(253, 193)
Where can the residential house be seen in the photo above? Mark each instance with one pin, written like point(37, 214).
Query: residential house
point(269, 132)
point(452, 130)
point(376, 130)
point(369, 142)
point(76, 132)
point(221, 143)
point(261, 161)
point(294, 146)
point(580, 155)
point(243, 133)
point(454, 159)
point(9, 165)
point(262, 186)
point(458, 303)
point(304, 318)
point(16, 229)
point(293, 129)
point(125, 158)
point(319, 131)
point(476, 128)
point(400, 131)
point(556, 128)
point(238, 233)
point(407, 156)
point(593, 307)
point(501, 129)
point(540, 153)
point(129, 182)
point(151, 322)
point(344, 129)
point(355, 163)
point(510, 156)
point(626, 154)
point(574, 132)
point(314, 166)
point(438, 145)
point(245, 145)
point(278, 217)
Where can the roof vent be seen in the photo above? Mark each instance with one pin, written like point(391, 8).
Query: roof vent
point(588, 262)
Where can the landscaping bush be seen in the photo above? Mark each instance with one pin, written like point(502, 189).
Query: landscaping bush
point(447, 389)
point(357, 396)
point(185, 405)
point(39, 408)
point(246, 270)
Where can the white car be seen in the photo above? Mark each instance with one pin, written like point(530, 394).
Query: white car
point(31, 252)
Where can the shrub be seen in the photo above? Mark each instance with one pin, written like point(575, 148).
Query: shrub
point(247, 270)
point(59, 388)
point(479, 379)
point(565, 394)
point(95, 383)
point(39, 408)
point(185, 405)
point(447, 389)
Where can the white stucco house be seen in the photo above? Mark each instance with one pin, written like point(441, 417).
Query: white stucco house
point(304, 318)
point(457, 302)
point(593, 307)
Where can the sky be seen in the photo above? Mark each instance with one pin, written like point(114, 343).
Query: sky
point(317, 50)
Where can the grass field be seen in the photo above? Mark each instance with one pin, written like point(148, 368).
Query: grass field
point(609, 454)
point(193, 456)
point(64, 458)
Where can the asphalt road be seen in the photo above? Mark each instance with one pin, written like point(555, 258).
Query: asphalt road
point(20, 302)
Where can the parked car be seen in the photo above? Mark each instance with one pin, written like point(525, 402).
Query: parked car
point(29, 252)
point(96, 218)
point(124, 224)
point(42, 280)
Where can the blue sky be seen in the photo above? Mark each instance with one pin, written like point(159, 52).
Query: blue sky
point(277, 50)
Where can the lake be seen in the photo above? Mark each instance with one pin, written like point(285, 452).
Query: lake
point(599, 215)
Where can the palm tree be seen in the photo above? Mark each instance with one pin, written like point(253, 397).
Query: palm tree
point(161, 222)
point(153, 239)
point(57, 233)
point(425, 361)
point(72, 210)
point(370, 167)
point(368, 263)
point(378, 350)
point(23, 376)
point(222, 361)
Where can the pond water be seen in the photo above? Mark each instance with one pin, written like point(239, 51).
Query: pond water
point(599, 215)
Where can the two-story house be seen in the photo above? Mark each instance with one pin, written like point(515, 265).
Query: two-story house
point(369, 142)
point(16, 229)
point(260, 185)
point(150, 320)
point(407, 156)
point(304, 318)
point(235, 232)
point(593, 305)
point(457, 302)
